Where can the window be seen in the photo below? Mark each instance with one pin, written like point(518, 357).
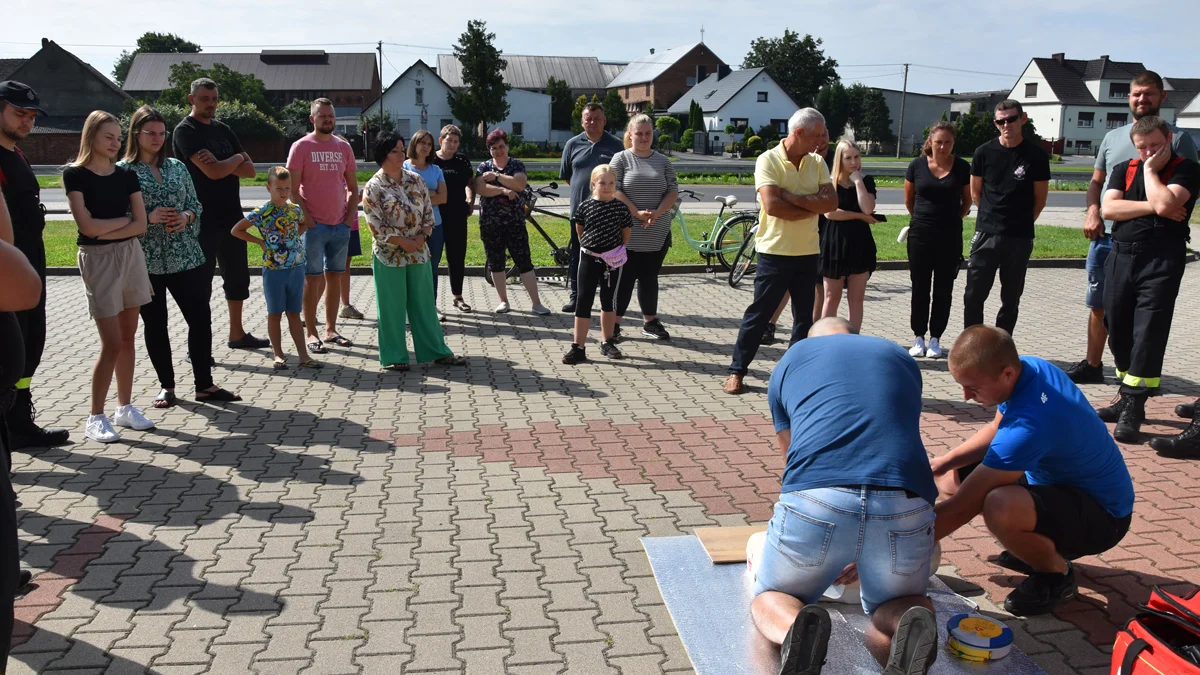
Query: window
point(691, 82)
point(626, 92)
point(701, 72)
point(1083, 146)
point(518, 128)
point(647, 88)
point(1118, 90)
point(420, 96)
point(1086, 119)
point(762, 97)
point(444, 123)
point(739, 123)
point(1116, 120)
point(954, 115)
point(780, 127)
point(1031, 90)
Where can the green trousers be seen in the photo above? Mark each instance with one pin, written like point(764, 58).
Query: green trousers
point(406, 294)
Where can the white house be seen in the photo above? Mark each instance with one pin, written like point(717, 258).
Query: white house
point(417, 99)
point(1183, 93)
point(740, 97)
point(1074, 103)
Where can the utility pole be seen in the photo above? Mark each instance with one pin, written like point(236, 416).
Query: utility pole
point(903, 100)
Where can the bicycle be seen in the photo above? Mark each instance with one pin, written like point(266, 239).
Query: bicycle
point(745, 262)
point(561, 255)
point(728, 236)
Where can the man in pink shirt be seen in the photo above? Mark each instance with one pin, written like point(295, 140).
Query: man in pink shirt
point(324, 171)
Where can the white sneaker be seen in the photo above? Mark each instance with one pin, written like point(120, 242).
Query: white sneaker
point(131, 417)
point(501, 308)
point(935, 350)
point(918, 348)
point(541, 310)
point(100, 429)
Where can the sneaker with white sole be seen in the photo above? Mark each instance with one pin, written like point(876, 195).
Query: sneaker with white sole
point(918, 348)
point(541, 310)
point(934, 350)
point(349, 312)
point(99, 429)
point(502, 308)
point(131, 417)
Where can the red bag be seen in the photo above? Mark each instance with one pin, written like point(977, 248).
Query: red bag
point(1163, 639)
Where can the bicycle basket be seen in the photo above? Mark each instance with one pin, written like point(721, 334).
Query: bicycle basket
point(528, 198)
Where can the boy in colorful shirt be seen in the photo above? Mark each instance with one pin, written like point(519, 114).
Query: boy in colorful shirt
point(281, 224)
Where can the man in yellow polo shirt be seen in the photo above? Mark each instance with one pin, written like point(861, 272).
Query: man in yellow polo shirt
point(794, 187)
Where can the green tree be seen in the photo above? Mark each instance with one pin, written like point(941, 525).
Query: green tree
point(798, 65)
point(294, 116)
point(973, 131)
point(484, 97)
point(688, 138)
point(247, 121)
point(596, 98)
point(695, 120)
point(667, 125)
point(561, 102)
point(379, 122)
point(875, 122)
point(768, 133)
point(151, 43)
point(577, 114)
point(231, 85)
point(614, 110)
point(834, 103)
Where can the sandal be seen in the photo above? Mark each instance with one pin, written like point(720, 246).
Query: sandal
point(317, 347)
point(398, 367)
point(312, 363)
point(218, 394)
point(280, 364)
point(461, 305)
point(452, 360)
point(165, 399)
point(340, 341)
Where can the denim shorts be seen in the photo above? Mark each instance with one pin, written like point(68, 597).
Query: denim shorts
point(1097, 253)
point(326, 245)
point(284, 290)
point(814, 534)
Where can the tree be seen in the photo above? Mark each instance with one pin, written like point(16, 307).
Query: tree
point(614, 110)
point(667, 125)
point(798, 65)
point(577, 114)
point(151, 43)
point(834, 103)
point(875, 123)
point(484, 98)
point(231, 85)
point(973, 131)
point(561, 101)
point(1030, 132)
point(378, 122)
point(294, 116)
point(695, 117)
point(596, 98)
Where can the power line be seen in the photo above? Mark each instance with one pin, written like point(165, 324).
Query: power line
point(959, 70)
point(255, 46)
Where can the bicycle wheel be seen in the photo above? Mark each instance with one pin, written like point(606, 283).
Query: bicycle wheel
point(744, 263)
point(735, 232)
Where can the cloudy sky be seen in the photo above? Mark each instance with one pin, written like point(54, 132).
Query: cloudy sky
point(965, 46)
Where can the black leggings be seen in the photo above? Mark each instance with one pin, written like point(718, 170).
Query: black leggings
point(191, 290)
point(594, 272)
point(642, 269)
point(501, 239)
point(933, 262)
point(454, 231)
point(33, 321)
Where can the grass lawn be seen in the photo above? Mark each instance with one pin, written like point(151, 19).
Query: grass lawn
point(1051, 242)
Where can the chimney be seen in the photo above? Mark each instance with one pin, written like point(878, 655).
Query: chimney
point(45, 42)
point(951, 90)
point(1060, 57)
point(722, 71)
point(652, 51)
point(1104, 57)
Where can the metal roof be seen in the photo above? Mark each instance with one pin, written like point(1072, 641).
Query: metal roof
point(9, 66)
point(611, 69)
point(532, 72)
point(712, 93)
point(649, 67)
point(340, 72)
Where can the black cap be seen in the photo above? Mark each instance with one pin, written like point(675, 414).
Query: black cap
point(20, 95)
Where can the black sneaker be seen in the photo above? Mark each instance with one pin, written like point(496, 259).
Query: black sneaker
point(655, 330)
point(1129, 424)
point(768, 337)
point(575, 354)
point(1011, 562)
point(1112, 412)
point(914, 645)
point(1186, 410)
point(248, 341)
point(617, 337)
point(1184, 446)
point(803, 649)
point(569, 306)
point(610, 350)
point(1085, 373)
point(1041, 591)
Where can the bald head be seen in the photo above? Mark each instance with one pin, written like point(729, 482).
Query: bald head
point(831, 325)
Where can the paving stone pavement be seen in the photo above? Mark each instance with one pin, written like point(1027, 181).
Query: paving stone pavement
point(485, 519)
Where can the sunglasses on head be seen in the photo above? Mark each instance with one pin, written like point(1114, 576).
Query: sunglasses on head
point(1002, 121)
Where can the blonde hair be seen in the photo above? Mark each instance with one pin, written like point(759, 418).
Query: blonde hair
point(599, 171)
point(640, 118)
point(91, 127)
point(278, 173)
point(838, 172)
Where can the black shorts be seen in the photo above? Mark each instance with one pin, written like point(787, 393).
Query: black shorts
point(1077, 524)
point(221, 247)
point(355, 245)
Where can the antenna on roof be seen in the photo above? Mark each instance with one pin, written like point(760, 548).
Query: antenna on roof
point(702, 32)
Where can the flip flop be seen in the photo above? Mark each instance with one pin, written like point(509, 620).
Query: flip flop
point(166, 399)
point(220, 395)
point(280, 365)
point(452, 360)
point(398, 367)
point(462, 306)
point(312, 363)
point(340, 341)
point(317, 347)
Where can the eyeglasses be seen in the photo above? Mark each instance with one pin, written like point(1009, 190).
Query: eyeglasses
point(154, 134)
point(1002, 121)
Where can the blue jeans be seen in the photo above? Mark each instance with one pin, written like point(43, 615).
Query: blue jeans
point(814, 534)
point(775, 276)
point(437, 241)
point(326, 247)
point(1097, 253)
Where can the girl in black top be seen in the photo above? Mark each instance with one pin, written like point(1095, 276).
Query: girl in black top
point(603, 225)
point(937, 192)
point(847, 245)
point(106, 202)
point(460, 201)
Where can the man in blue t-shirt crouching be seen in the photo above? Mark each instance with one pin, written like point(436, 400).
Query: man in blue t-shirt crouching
point(857, 500)
point(1045, 473)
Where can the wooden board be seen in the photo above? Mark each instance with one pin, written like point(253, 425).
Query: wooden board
point(727, 544)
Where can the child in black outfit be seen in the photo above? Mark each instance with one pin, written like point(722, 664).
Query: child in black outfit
point(603, 224)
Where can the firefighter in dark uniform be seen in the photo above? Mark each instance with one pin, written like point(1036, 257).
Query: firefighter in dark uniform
point(18, 110)
point(1149, 199)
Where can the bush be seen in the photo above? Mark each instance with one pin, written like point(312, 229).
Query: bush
point(688, 139)
point(525, 150)
point(768, 133)
point(771, 144)
point(664, 141)
point(682, 147)
point(754, 144)
point(729, 148)
point(247, 121)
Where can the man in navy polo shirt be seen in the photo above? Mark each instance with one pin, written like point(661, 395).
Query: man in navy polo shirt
point(580, 155)
point(1048, 478)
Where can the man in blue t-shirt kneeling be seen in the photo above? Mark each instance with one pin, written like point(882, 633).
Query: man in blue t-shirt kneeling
point(1046, 475)
point(857, 500)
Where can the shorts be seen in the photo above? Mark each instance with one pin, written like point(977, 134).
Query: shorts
point(355, 248)
point(114, 277)
point(814, 534)
point(284, 290)
point(327, 245)
point(1097, 253)
point(221, 247)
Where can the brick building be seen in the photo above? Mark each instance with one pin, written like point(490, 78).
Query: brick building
point(661, 78)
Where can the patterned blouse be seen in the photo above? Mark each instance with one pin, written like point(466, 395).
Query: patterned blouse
point(167, 252)
point(397, 209)
point(501, 210)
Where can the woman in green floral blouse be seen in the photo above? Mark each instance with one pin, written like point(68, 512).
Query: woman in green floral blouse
point(400, 215)
point(173, 258)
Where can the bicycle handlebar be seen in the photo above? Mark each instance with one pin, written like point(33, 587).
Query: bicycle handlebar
point(691, 194)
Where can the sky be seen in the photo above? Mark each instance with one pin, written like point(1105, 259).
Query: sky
point(968, 46)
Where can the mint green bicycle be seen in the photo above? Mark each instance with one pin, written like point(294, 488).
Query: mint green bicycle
point(727, 235)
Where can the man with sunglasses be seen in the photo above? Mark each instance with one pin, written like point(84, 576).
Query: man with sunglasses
point(1010, 178)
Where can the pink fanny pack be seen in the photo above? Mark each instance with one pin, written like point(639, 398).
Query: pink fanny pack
point(614, 258)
